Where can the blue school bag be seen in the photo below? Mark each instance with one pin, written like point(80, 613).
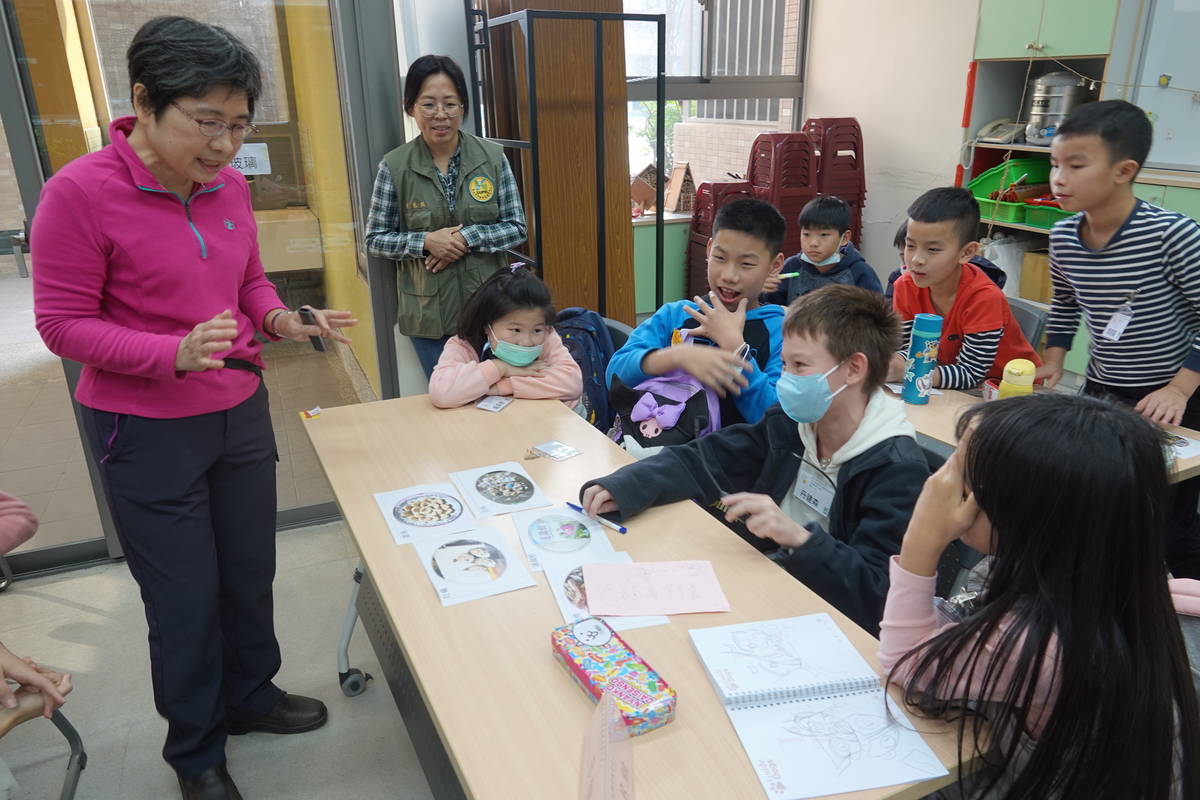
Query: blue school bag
point(587, 339)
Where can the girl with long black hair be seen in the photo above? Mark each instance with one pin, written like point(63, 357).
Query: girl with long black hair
point(1073, 671)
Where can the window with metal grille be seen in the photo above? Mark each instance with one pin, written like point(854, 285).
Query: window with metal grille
point(744, 37)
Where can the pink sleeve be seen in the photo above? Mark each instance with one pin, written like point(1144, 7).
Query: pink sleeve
point(460, 376)
point(257, 295)
point(70, 258)
point(17, 523)
point(909, 620)
point(561, 380)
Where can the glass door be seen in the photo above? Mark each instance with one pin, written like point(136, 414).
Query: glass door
point(70, 59)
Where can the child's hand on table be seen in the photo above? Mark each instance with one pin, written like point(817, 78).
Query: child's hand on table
point(1164, 406)
point(765, 519)
point(717, 323)
point(597, 500)
point(944, 512)
point(507, 370)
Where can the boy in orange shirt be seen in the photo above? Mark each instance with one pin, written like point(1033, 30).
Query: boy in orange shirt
point(979, 334)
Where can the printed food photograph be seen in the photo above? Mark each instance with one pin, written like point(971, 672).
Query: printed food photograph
point(503, 486)
point(427, 510)
point(468, 561)
point(559, 533)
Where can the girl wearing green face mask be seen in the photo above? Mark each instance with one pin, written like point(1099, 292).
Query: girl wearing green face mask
point(506, 345)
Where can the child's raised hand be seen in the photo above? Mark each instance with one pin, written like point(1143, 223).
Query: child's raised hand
point(717, 323)
point(597, 500)
point(1165, 406)
point(944, 512)
point(763, 517)
point(771, 283)
point(719, 370)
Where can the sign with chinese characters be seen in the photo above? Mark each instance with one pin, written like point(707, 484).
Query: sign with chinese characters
point(252, 159)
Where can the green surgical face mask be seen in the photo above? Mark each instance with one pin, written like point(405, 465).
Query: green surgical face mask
point(515, 354)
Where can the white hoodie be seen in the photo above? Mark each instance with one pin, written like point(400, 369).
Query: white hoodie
point(883, 419)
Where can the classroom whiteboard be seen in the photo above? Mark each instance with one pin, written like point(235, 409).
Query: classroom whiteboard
point(1169, 48)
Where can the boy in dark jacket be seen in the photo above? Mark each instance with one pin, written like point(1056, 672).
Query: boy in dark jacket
point(826, 255)
point(827, 479)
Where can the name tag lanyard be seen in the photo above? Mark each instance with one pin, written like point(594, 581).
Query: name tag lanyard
point(1120, 319)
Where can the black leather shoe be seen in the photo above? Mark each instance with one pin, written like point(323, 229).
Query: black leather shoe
point(212, 784)
point(292, 714)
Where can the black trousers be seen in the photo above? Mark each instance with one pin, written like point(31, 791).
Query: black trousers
point(1183, 534)
point(194, 504)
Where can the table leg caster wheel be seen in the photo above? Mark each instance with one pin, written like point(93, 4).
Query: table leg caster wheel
point(354, 681)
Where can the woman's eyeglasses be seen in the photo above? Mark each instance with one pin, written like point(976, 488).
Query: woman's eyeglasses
point(212, 128)
point(429, 109)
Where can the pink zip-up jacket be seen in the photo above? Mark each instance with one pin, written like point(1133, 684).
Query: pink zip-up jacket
point(909, 620)
point(460, 377)
point(17, 522)
point(124, 269)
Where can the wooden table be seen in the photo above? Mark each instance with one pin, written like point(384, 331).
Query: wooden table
point(937, 419)
point(489, 710)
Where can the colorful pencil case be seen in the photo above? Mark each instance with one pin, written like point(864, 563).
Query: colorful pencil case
point(600, 661)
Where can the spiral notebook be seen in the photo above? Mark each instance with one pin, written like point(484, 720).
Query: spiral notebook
point(809, 710)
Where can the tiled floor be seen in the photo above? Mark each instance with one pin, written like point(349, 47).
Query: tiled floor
point(91, 623)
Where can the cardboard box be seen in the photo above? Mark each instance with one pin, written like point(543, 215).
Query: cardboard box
point(1035, 276)
point(289, 239)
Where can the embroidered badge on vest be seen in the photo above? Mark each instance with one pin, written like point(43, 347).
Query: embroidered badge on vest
point(481, 188)
point(229, 224)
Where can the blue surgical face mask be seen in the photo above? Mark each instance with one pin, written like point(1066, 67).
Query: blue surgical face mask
point(515, 354)
point(806, 398)
point(833, 259)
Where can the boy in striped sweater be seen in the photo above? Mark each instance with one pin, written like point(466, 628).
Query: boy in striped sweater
point(979, 334)
point(1134, 271)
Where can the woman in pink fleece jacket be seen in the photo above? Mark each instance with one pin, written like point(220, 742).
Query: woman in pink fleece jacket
point(1074, 664)
point(506, 345)
point(146, 270)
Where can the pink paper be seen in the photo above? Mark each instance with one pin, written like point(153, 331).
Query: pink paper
point(653, 587)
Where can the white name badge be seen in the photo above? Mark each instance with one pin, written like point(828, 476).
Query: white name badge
point(1117, 325)
point(494, 402)
point(814, 489)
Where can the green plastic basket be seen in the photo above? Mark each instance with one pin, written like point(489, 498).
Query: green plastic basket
point(1044, 216)
point(1000, 176)
point(1000, 211)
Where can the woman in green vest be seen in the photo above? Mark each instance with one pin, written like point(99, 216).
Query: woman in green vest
point(445, 207)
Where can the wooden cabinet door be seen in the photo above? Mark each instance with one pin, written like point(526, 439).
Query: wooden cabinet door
point(1077, 27)
point(1006, 26)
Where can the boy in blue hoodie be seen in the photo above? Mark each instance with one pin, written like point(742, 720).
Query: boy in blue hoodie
point(745, 249)
point(826, 255)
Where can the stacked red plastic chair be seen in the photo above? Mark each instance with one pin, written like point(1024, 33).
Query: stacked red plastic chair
point(710, 197)
point(840, 170)
point(783, 171)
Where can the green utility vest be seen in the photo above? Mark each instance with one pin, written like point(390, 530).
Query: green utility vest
point(429, 302)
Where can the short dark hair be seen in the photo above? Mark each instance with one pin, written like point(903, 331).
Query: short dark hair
point(177, 57)
point(901, 237)
point(425, 66)
point(848, 319)
point(1123, 127)
point(508, 289)
point(948, 204)
point(824, 213)
point(752, 217)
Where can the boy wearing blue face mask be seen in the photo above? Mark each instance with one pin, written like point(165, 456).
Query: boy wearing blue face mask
point(506, 345)
point(826, 255)
point(827, 480)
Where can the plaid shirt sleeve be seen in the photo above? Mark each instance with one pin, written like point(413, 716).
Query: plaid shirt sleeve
point(510, 230)
point(385, 236)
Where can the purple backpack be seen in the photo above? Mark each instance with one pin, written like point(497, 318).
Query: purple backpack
point(664, 410)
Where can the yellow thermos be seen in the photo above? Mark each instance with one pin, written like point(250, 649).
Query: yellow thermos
point(1018, 378)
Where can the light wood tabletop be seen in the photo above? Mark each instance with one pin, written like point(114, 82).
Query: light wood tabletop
point(937, 420)
point(510, 717)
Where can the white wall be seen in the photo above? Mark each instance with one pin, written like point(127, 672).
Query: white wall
point(900, 68)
